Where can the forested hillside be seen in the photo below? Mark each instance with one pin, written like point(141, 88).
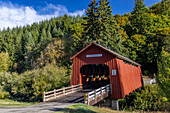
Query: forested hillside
point(142, 35)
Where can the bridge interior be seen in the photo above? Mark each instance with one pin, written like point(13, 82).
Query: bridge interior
point(94, 75)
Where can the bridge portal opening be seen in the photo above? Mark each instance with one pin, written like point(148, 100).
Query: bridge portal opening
point(95, 75)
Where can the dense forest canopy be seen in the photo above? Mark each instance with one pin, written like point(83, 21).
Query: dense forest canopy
point(142, 35)
point(139, 35)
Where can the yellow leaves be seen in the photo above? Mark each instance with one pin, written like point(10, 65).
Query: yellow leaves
point(123, 34)
point(4, 61)
point(163, 31)
point(121, 20)
point(77, 30)
point(138, 39)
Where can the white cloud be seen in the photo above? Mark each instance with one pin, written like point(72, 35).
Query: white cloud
point(77, 13)
point(13, 15)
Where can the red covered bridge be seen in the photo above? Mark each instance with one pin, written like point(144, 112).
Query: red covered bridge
point(96, 66)
point(102, 73)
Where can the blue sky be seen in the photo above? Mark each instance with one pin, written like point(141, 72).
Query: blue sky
point(21, 12)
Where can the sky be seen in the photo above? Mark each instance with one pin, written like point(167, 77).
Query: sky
point(23, 12)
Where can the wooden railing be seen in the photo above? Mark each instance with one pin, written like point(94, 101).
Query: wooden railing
point(50, 95)
point(97, 95)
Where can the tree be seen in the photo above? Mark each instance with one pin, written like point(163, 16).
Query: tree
point(43, 35)
point(91, 18)
point(163, 78)
point(101, 27)
point(165, 7)
point(151, 26)
point(137, 20)
point(161, 8)
point(106, 23)
point(4, 61)
point(139, 7)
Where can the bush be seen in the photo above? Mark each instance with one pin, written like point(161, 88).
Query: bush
point(145, 99)
point(4, 95)
point(163, 78)
point(30, 85)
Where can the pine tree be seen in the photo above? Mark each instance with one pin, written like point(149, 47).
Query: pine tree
point(138, 21)
point(43, 35)
point(139, 7)
point(92, 21)
point(107, 25)
point(101, 27)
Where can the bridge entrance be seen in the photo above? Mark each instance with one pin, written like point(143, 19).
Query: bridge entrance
point(95, 75)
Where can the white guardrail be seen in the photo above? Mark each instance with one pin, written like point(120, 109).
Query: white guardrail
point(149, 81)
point(97, 95)
point(50, 95)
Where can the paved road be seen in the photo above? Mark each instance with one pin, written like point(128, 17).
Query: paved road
point(50, 107)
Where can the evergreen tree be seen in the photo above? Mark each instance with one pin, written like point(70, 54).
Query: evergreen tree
point(139, 7)
point(101, 27)
point(138, 21)
point(43, 35)
point(49, 36)
point(105, 22)
point(92, 21)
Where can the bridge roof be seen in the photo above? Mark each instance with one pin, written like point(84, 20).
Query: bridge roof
point(108, 50)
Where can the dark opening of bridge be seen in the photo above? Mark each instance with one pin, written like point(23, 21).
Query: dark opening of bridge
point(95, 75)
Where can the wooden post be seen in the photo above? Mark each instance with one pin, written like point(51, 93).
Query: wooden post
point(78, 87)
point(63, 90)
point(106, 91)
point(85, 98)
point(111, 89)
point(81, 86)
point(43, 96)
point(101, 93)
point(72, 88)
point(95, 97)
point(88, 99)
point(54, 93)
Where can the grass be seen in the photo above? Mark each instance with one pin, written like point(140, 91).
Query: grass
point(83, 108)
point(12, 103)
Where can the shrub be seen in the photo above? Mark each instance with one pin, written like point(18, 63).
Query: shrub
point(163, 78)
point(4, 95)
point(145, 99)
point(30, 85)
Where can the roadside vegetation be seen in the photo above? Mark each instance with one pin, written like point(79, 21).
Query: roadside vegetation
point(149, 98)
point(83, 108)
point(13, 103)
point(30, 85)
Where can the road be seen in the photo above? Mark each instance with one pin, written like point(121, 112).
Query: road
point(50, 107)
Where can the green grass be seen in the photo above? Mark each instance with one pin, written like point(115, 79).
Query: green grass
point(83, 108)
point(12, 103)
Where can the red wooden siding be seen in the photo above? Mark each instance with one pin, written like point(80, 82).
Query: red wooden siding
point(130, 77)
point(127, 79)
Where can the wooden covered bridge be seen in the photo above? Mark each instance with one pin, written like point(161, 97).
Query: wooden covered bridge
point(97, 73)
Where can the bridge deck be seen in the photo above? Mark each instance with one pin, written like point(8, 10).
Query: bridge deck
point(77, 97)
